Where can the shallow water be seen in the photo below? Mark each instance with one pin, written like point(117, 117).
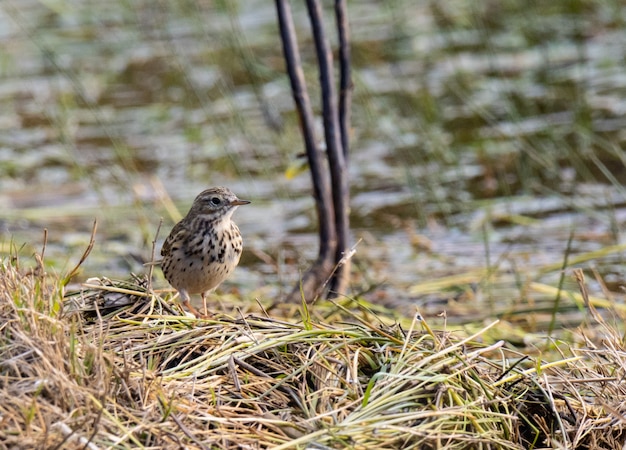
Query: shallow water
point(483, 136)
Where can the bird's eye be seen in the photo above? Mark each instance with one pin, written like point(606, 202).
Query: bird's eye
point(215, 201)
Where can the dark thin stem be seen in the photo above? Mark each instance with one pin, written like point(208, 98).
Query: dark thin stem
point(340, 278)
point(313, 279)
point(336, 160)
point(345, 74)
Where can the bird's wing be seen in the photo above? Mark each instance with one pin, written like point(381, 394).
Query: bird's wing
point(175, 236)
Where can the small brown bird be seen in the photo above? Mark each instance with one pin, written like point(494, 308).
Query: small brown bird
point(204, 248)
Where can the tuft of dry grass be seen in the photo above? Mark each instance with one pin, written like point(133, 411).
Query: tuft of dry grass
point(116, 366)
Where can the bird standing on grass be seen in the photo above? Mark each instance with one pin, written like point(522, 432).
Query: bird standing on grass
point(204, 248)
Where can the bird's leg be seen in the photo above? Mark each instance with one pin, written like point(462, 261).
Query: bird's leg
point(184, 296)
point(206, 311)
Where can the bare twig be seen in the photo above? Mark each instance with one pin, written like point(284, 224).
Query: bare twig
point(313, 279)
point(40, 270)
point(336, 159)
point(341, 276)
point(345, 75)
point(92, 241)
point(152, 256)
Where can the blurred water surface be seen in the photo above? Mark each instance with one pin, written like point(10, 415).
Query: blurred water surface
point(487, 139)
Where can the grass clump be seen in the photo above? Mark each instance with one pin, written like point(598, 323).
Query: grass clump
point(116, 366)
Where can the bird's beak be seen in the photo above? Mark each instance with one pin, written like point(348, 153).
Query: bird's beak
point(240, 202)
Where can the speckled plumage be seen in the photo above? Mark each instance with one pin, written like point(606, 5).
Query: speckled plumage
point(204, 248)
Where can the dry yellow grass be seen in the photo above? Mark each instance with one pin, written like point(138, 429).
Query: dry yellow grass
point(115, 366)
